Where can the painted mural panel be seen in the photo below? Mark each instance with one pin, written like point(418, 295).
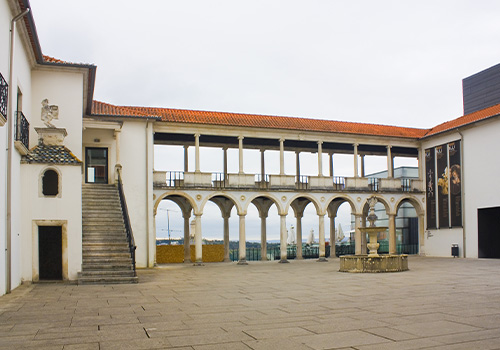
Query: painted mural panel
point(442, 182)
point(455, 184)
point(430, 187)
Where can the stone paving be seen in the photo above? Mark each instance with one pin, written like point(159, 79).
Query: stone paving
point(441, 303)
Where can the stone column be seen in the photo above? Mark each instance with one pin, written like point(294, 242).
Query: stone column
point(362, 165)
point(392, 234)
point(240, 146)
point(299, 235)
point(332, 236)
point(226, 238)
point(363, 235)
point(198, 241)
point(421, 164)
point(262, 166)
point(187, 245)
point(421, 230)
point(322, 237)
point(355, 160)
point(263, 238)
point(320, 158)
point(297, 165)
point(225, 164)
point(242, 244)
point(197, 152)
point(357, 235)
point(390, 166)
point(330, 159)
point(283, 255)
point(186, 160)
point(282, 156)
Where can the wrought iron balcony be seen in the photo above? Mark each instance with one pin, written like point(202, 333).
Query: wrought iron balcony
point(22, 132)
point(4, 94)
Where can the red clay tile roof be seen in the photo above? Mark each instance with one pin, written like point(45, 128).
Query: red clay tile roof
point(465, 120)
point(253, 120)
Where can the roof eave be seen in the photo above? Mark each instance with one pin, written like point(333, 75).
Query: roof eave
point(456, 128)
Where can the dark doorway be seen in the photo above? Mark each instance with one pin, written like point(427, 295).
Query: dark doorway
point(96, 168)
point(488, 231)
point(50, 252)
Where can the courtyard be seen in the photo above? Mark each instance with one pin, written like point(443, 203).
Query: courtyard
point(441, 303)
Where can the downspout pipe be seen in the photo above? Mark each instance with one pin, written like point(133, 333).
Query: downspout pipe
point(10, 125)
point(464, 238)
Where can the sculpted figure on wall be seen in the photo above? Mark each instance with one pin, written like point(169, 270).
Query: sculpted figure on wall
point(49, 112)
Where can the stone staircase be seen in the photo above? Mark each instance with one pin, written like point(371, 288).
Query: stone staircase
point(105, 250)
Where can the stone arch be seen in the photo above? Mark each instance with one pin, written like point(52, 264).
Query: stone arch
point(413, 201)
point(267, 196)
point(312, 199)
point(226, 195)
point(337, 201)
point(164, 195)
point(380, 199)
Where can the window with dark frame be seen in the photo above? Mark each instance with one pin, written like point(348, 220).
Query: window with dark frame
point(50, 183)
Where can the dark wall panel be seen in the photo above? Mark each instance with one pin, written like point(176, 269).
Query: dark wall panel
point(481, 90)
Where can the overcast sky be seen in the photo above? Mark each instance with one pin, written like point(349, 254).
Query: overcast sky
point(386, 62)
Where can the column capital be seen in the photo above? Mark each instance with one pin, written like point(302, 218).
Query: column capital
point(320, 142)
point(388, 146)
point(282, 139)
point(241, 137)
point(355, 144)
point(197, 134)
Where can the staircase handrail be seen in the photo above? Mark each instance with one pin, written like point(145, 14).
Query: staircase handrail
point(126, 219)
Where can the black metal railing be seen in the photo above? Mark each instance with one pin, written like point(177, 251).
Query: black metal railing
point(175, 178)
point(4, 96)
point(374, 183)
point(22, 130)
point(126, 219)
point(302, 182)
point(406, 184)
point(274, 253)
point(219, 180)
point(345, 249)
point(338, 183)
point(262, 182)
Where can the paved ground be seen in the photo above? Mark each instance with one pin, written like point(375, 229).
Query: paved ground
point(441, 303)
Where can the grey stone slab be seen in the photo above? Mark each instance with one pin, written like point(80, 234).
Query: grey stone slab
point(209, 338)
point(274, 344)
point(341, 339)
point(429, 329)
point(223, 346)
point(278, 333)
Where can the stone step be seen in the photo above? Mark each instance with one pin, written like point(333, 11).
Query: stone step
point(107, 261)
point(98, 273)
point(107, 280)
point(110, 218)
point(105, 254)
point(88, 251)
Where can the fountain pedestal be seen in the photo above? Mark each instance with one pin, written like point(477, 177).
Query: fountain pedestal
point(373, 262)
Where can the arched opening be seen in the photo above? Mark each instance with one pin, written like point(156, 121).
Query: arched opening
point(407, 228)
point(342, 227)
point(172, 222)
point(50, 183)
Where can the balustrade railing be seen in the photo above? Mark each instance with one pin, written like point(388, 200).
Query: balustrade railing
point(4, 96)
point(303, 182)
point(262, 182)
point(22, 130)
point(406, 184)
point(126, 219)
point(338, 183)
point(175, 178)
point(374, 183)
point(219, 180)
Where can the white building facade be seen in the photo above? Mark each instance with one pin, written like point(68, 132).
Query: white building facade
point(102, 140)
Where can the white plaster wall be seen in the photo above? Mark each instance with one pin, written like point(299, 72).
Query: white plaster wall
point(22, 80)
point(133, 157)
point(64, 89)
point(67, 207)
point(480, 176)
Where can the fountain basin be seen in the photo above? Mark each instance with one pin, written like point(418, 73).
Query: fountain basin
point(380, 263)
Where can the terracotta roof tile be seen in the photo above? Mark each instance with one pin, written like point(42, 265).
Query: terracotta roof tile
point(464, 120)
point(254, 120)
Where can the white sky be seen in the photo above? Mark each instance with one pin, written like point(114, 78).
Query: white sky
point(386, 62)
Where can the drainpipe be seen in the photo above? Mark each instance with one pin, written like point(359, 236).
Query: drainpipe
point(10, 123)
point(463, 189)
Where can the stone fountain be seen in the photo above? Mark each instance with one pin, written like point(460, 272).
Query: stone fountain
point(373, 262)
